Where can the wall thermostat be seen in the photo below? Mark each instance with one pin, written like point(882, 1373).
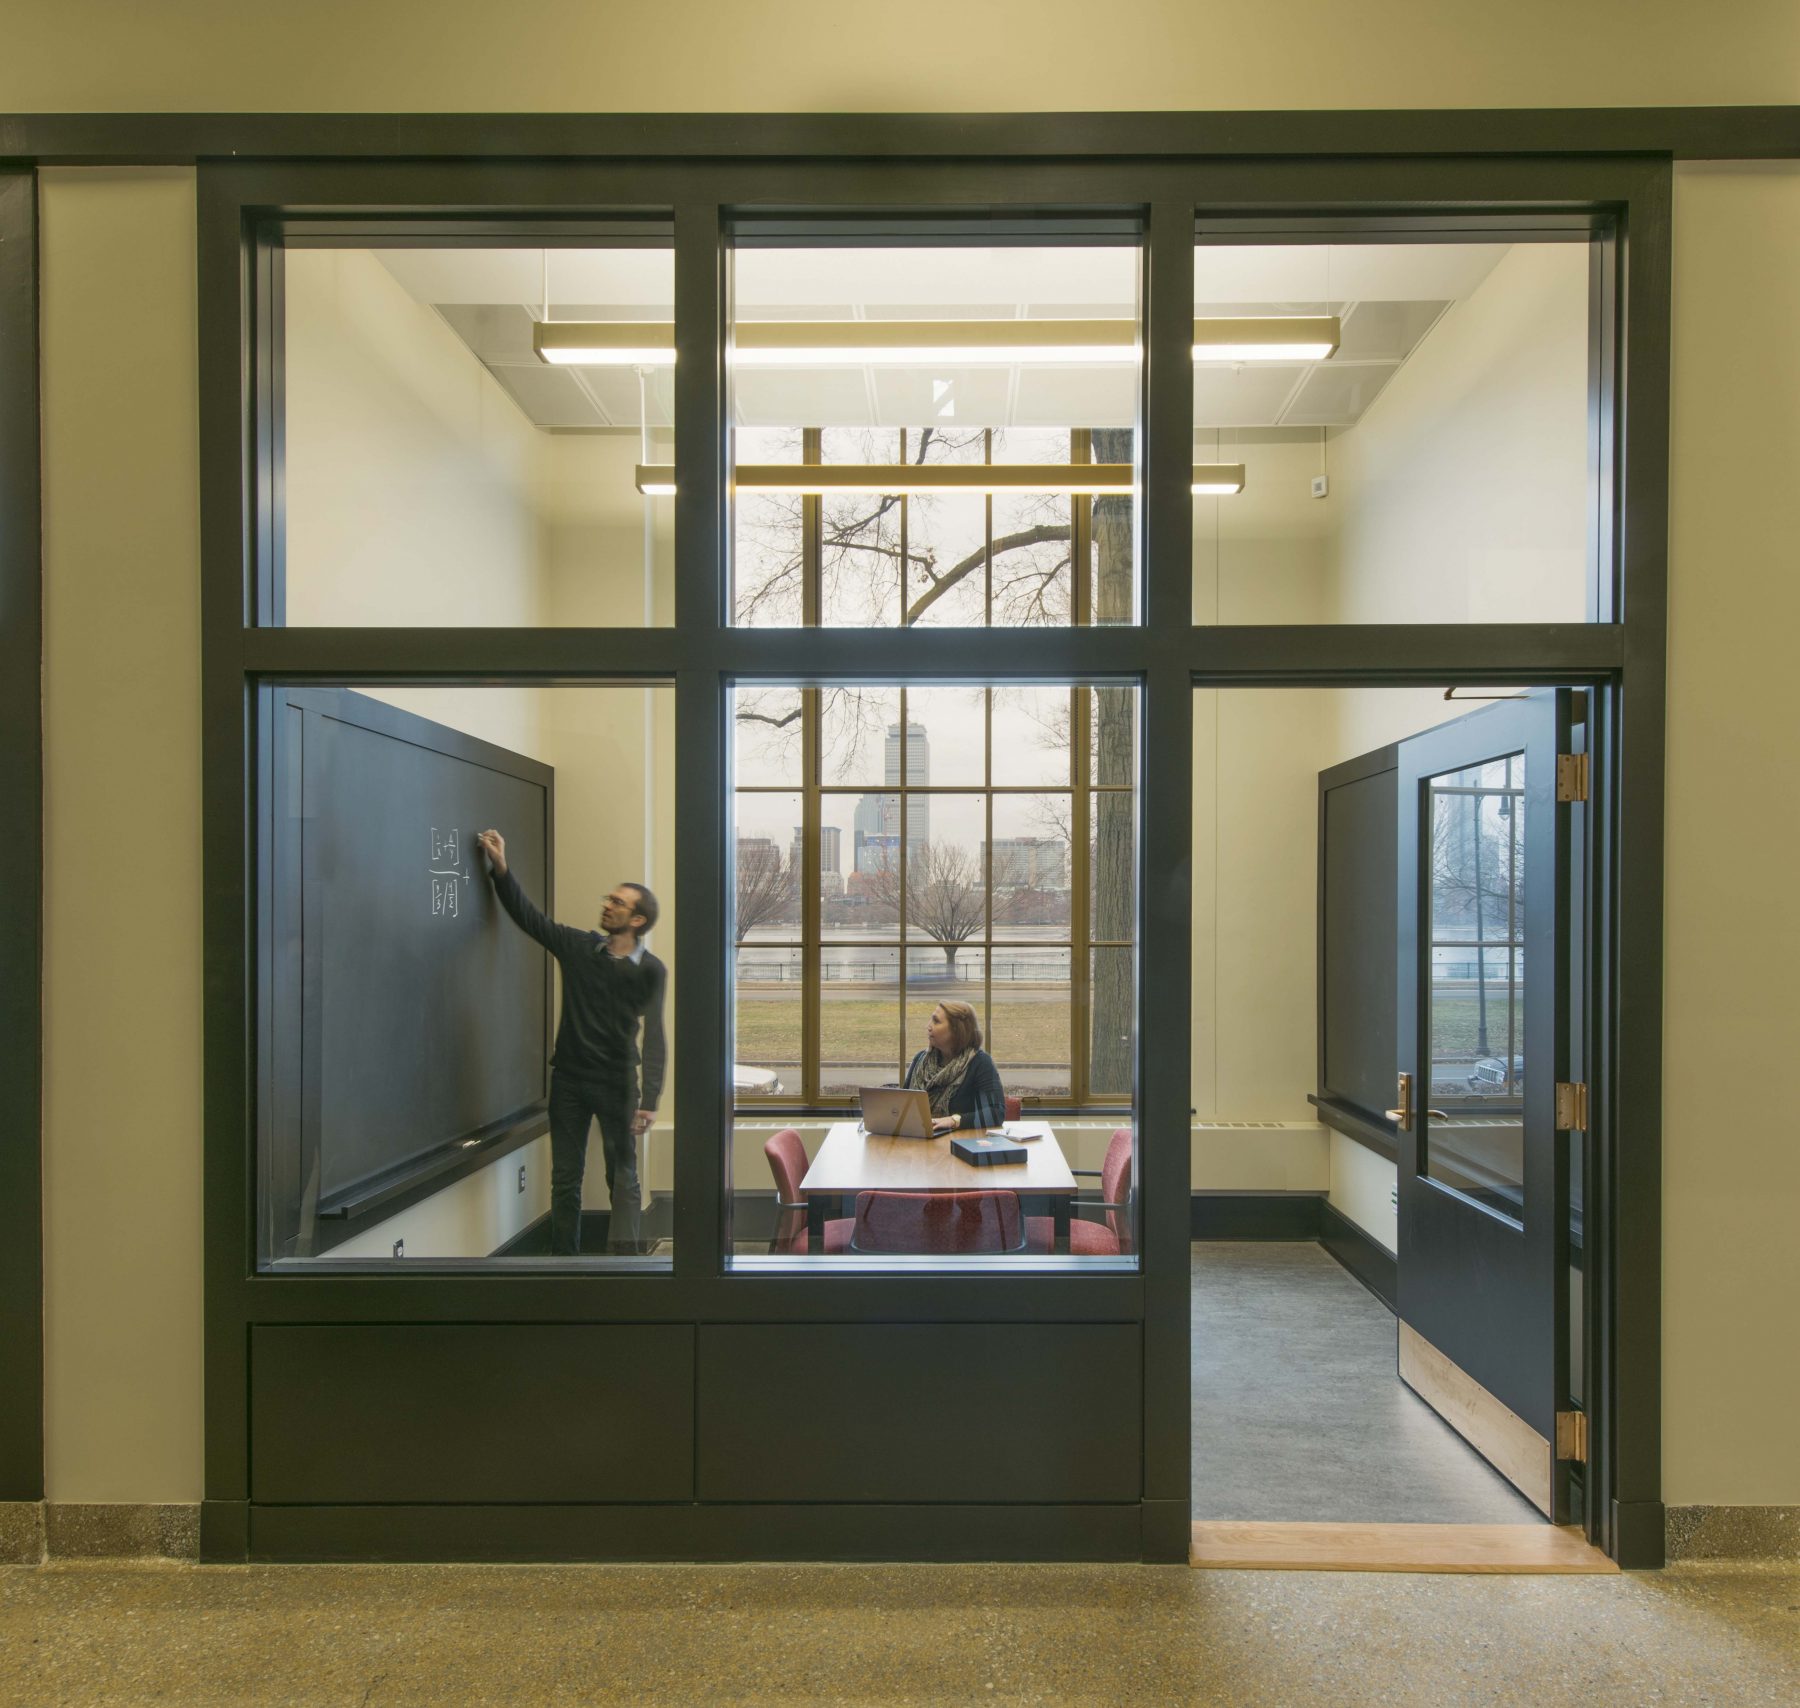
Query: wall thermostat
point(1321, 485)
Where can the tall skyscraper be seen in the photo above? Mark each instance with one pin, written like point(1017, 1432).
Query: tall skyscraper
point(877, 822)
point(830, 848)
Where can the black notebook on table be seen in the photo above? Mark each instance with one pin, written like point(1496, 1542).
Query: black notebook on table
point(986, 1149)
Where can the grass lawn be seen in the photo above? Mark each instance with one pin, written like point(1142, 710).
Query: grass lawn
point(862, 1029)
point(1454, 1028)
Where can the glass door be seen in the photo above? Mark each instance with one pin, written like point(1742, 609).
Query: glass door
point(1484, 1099)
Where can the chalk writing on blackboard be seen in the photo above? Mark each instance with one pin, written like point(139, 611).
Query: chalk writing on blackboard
point(446, 872)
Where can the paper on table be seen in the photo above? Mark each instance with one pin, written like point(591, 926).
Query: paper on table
point(1023, 1131)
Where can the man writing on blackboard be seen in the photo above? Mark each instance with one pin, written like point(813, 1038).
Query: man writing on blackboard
point(610, 982)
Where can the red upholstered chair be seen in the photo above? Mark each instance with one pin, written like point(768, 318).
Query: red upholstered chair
point(921, 1223)
point(1014, 1108)
point(787, 1162)
point(1106, 1238)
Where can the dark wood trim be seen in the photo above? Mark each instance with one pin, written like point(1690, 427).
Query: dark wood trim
point(21, 852)
point(1625, 1181)
point(1372, 1264)
point(1254, 1215)
point(689, 1532)
point(1357, 1124)
point(1684, 133)
point(1166, 814)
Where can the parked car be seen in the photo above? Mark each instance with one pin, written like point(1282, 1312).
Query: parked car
point(1488, 1075)
point(754, 1081)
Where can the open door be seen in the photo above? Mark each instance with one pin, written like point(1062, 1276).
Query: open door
point(1485, 1098)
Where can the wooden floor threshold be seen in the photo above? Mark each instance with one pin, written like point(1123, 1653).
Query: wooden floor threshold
point(1230, 1545)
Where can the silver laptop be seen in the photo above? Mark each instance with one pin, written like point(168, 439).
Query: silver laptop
point(890, 1113)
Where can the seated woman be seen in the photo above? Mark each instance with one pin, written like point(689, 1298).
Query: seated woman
point(956, 1073)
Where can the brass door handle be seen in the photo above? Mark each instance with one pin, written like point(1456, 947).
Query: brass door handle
point(1403, 1116)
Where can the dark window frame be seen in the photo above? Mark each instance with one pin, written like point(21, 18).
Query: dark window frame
point(21, 852)
point(1623, 201)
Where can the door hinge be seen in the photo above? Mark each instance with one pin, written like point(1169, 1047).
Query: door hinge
point(1571, 776)
point(1571, 1436)
point(1572, 1106)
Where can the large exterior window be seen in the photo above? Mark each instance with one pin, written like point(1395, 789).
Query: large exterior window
point(896, 846)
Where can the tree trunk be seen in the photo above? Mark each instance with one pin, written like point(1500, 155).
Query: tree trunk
point(1112, 1048)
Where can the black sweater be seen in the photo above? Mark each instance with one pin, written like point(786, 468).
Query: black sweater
point(603, 997)
point(981, 1098)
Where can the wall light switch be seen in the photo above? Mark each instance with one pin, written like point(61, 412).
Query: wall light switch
point(1321, 485)
point(521, 1177)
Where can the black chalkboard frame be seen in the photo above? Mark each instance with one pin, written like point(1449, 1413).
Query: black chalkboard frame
point(288, 1142)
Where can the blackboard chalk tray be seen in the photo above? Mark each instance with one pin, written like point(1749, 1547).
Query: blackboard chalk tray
point(397, 1187)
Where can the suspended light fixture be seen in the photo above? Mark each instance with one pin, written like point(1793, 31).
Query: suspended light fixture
point(1213, 480)
point(935, 343)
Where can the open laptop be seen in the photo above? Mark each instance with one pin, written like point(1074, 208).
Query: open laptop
point(890, 1113)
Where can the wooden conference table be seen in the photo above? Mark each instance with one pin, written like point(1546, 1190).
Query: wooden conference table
point(852, 1161)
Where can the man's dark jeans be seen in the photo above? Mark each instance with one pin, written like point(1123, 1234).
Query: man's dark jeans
point(573, 1103)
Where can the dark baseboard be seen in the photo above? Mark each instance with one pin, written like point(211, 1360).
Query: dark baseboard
point(533, 1240)
point(1255, 1215)
point(1372, 1264)
point(697, 1532)
point(1640, 1534)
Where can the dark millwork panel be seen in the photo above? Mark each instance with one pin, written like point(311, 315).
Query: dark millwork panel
point(21, 888)
point(351, 1413)
point(820, 1531)
point(1373, 1265)
point(1256, 1215)
point(920, 1412)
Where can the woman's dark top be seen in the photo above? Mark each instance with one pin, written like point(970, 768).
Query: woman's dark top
point(980, 1099)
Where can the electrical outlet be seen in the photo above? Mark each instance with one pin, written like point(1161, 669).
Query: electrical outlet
point(399, 1248)
point(521, 1177)
point(1394, 1197)
point(1321, 485)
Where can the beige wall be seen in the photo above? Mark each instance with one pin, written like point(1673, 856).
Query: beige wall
point(122, 983)
point(121, 839)
point(411, 475)
point(1731, 1173)
point(1461, 495)
point(578, 56)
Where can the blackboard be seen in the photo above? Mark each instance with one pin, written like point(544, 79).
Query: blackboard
point(408, 1019)
point(1358, 874)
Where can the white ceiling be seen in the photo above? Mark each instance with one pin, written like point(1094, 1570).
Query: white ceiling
point(1389, 295)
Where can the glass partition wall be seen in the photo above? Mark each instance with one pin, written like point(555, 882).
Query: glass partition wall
point(876, 680)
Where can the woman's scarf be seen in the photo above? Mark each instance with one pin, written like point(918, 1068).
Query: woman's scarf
point(939, 1079)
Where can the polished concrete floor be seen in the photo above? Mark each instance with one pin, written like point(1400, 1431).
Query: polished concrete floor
point(1298, 1414)
point(396, 1636)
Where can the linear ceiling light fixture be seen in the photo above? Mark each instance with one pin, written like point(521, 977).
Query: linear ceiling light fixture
point(934, 343)
point(1210, 480)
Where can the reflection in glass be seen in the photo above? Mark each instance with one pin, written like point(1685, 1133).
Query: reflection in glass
point(1477, 960)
